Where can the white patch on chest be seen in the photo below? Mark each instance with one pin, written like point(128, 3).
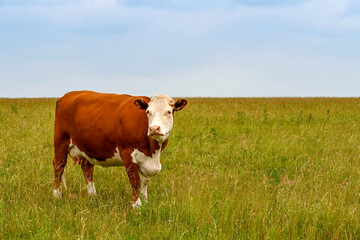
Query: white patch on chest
point(148, 166)
point(116, 160)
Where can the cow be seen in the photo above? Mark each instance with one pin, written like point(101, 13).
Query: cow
point(113, 130)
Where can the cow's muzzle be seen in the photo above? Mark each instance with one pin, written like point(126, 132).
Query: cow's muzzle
point(155, 131)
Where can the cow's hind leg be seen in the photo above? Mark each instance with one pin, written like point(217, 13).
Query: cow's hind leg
point(88, 170)
point(59, 162)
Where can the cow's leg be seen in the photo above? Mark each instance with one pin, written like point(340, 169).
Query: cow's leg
point(133, 174)
point(59, 162)
point(144, 183)
point(88, 170)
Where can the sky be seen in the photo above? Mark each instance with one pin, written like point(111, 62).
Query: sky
point(190, 48)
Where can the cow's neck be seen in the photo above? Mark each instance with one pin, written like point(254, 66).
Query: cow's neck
point(153, 146)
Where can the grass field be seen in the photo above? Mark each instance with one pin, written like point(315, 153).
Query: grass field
point(247, 168)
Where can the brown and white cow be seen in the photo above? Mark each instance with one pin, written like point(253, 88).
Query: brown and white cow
point(113, 130)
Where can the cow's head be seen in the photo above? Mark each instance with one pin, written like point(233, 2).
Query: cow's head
point(160, 112)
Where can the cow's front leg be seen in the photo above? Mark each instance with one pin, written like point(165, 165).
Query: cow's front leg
point(133, 174)
point(144, 183)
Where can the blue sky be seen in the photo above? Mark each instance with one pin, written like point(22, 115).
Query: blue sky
point(219, 48)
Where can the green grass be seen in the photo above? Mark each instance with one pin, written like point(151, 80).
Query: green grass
point(247, 168)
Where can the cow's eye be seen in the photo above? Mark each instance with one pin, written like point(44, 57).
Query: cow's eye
point(147, 111)
point(168, 112)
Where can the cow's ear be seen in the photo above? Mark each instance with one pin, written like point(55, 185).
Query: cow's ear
point(141, 104)
point(180, 104)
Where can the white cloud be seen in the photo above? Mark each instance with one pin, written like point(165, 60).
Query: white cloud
point(350, 23)
point(313, 13)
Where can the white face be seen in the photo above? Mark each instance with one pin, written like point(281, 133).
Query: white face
point(160, 117)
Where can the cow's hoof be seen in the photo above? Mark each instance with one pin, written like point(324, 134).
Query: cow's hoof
point(56, 193)
point(137, 204)
point(92, 194)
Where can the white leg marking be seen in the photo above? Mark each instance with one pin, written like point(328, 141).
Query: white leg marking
point(137, 204)
point(91, 189)
point(144, 183)
point(63, 180)
point(56, 193)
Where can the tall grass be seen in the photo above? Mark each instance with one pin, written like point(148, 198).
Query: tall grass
point(233, 169)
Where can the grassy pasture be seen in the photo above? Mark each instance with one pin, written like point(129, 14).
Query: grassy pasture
point(246, 168)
